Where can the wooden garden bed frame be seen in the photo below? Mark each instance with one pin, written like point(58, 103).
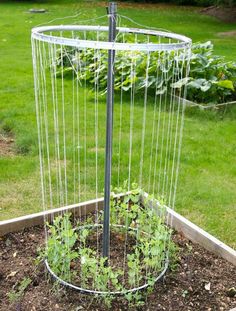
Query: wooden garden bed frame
point(176, 221)
point(189, 103)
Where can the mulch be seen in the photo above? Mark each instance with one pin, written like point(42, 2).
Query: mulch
point(201, 281)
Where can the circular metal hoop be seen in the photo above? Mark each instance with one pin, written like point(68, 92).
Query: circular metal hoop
point(40, 33)
point(95, 292)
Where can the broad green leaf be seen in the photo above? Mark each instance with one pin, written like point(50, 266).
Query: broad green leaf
point(227, 84)
point(180, 83)
point(161, 91)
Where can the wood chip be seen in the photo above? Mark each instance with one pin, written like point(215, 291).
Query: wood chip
point(13, 273)
point(208, 286)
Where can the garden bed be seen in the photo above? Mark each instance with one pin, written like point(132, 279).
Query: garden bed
point(202, 281)
point(189, 103)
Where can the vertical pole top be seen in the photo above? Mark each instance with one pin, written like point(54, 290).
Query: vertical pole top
point(112, 8)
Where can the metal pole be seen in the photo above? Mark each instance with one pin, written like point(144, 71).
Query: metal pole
point(112, 9)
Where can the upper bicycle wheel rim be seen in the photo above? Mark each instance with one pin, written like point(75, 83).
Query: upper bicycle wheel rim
point(40, 34)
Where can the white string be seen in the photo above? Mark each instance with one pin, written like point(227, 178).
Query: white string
point(91, 19)
point(63, 123)
point(141, 25)
point(51, 66)
point(78, 115)
point(73, 129)
point(78, 73)
point(166, 131)
point(154, 190)
point(132, 78)
point(38, 117)
point(173, 91)
point(132, 94)
point(96, 90)
point(120, 119)
point(43, 66)
point(118, 17)
point(170, 128)
point(153, 127)
point(164, 66)
point(41, 130)
point(169, 136)
point(144, 119)
point(58, 19)
point(180, 115)
point(57, 125)
point(44, 123)
point(181, 104)
point(159, 60)
point(72, 17)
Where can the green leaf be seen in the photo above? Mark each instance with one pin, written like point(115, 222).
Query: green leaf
point(201, 84)
point(180, 83)
point(227, 84)
point(161, 91)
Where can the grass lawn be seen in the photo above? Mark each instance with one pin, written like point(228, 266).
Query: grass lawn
point(207, 182)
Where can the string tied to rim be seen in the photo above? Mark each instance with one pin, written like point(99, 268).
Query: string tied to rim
point(110, 113)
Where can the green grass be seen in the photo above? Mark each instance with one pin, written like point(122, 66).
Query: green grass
point(207, 182)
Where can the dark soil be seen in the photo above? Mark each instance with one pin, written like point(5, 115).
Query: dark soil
point(201, 281)
point(227, 15)
point(117, 240)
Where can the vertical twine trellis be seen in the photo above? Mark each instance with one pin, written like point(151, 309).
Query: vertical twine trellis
point(70, 72)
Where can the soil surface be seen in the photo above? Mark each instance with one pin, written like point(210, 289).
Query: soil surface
point(227, 34)
point(200, 282)
point(227, 15)
point(6, 145)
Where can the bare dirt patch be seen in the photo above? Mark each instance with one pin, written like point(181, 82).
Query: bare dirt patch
point(227, 15)
point(97, 149)
point(227, 34)
point(6, 145)
point(202, 281)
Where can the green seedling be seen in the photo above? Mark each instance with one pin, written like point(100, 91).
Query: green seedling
point(16, 295)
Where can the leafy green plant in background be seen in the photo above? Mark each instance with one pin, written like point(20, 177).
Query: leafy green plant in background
point(211, 80)
point(227, 3)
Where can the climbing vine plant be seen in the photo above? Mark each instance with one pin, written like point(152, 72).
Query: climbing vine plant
point(137, 223)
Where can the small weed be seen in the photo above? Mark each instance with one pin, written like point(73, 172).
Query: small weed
point(16, 295)
point(7, 127)
point(185, 293)
point(24, 144)
point(173, 256)
point(135, 299)
point(189, 248)
point(40, 256)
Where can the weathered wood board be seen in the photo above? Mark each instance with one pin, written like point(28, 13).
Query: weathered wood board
point(178, 222)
